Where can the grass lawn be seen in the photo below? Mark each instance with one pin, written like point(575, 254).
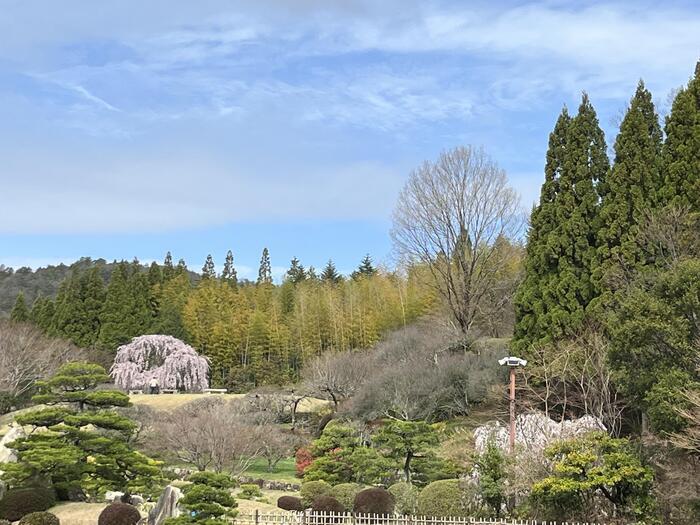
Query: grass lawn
point(285, 470)
point(173, 401)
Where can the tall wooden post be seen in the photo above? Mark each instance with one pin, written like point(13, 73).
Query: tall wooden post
point(512, 410)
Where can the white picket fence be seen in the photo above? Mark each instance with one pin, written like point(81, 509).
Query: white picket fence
point(326, 518)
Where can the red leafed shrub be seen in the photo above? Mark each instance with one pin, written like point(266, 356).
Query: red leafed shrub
point(119, 514)
point(303, 460)
point(374, 500)
point(290, 503)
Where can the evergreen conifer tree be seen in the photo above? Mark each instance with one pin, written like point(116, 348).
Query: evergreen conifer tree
point(330, 274)
point(155, 274)
point(296, 272)
point(552, 301)
point(366, 268)
point(168, 269)
point(682, 148)
point(116, 318)
point(265, 270)
point(632, 188)
point(42, 313)
point(209, 270)
point(531, 304)
point(20, 313)
point(181, 268)
point(229, 275)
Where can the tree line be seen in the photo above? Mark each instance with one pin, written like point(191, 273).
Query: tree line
point(253, 332)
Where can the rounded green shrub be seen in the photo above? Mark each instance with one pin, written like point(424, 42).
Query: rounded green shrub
point(406, 497)
point(447, 497)
point(40, 518)
point(119, 514)
point(327, 504)
point(250, 491)
point(345, 493)
point(19, 502)
point(289, 503)
point(313, 489)
point(374, 500)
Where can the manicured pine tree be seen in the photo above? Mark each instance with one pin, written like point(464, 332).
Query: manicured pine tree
point(632, 188)
point(296, 273)
point(265, 270)
point(20, 313)
point(168, 268)
point(682, 148)
point(531, 299)
point(229, 275)
point(209, 270)
point(330, 274)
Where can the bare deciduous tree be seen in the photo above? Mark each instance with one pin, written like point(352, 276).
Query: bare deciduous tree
point(26, 354)
point(275, 444)
point(449, 217)
point(210, 434)
point(335, 375)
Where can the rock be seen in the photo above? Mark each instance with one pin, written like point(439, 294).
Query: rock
point(534, 431)
point(137, 500)
point(7, 455)
point(166, 507)
point(112, 496)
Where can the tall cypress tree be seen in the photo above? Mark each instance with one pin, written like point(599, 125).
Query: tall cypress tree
point(71, 318)
point(682, 148)
point(366, 268)
point(42, 313)
point(265, 270)
point(582, 185)
point(632, 189)
point(229, 275)
point(115, 318)
point(553, 299)
point(209, 270)
point(181, 268)
point(534, 295)
point(20, 312)
point(168, 269)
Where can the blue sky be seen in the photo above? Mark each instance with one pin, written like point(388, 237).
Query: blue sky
point(132, 128)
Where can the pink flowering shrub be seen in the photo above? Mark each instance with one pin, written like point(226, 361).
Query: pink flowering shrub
point(174, 364)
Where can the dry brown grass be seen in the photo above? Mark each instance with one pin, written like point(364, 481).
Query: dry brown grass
point(78, 513)
point(173, 401)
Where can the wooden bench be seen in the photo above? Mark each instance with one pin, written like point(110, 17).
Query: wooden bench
point(135, 392)
point(215, 390)
point(168, 391)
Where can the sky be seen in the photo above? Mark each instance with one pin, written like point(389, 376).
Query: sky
point(130, 128)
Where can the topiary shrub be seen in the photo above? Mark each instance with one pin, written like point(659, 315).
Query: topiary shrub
point(345, 493)
point(313, 489)
point(40, 518)
point(289, 503)
point(327, 504)
point(374, 500)
point(19, 502)
point(447, 497)
point(119, 514)
point(405, 496)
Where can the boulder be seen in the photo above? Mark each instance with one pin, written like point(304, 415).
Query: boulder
point(534, 431)
point(167, 506)
point(7, 455)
